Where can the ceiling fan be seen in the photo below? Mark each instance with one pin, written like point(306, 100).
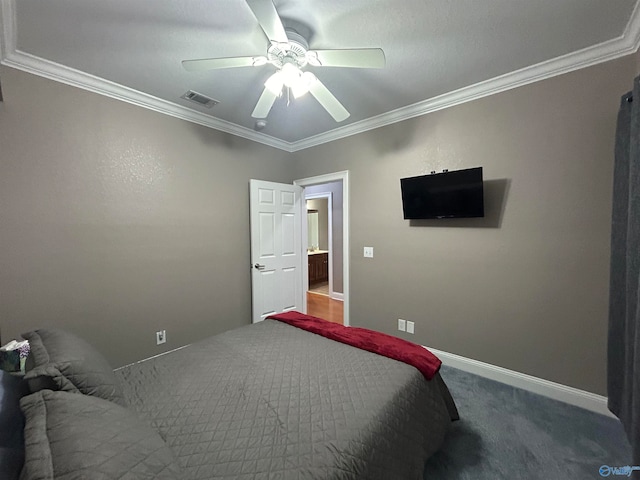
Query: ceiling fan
point(289, 53)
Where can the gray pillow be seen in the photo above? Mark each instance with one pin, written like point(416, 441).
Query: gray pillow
point(77, 437)
point(60, 360)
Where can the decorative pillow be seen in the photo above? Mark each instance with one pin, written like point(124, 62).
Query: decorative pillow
point(60, 360)
point(78, 437)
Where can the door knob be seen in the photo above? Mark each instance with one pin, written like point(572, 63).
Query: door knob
point(259, 267)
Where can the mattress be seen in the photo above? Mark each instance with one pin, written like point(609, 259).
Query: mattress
point(271, 401)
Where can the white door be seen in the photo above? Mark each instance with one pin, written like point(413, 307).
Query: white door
point(276, 248)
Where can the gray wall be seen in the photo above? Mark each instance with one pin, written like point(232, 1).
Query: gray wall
point(117, 221)
point(335, 189)
point(526, 287)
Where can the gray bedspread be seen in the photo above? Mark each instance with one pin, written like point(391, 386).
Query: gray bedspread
point(271, 401)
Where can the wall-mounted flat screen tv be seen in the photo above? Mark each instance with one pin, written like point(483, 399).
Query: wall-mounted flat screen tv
point(456, 194)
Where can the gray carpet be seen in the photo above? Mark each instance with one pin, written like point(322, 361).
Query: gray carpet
point(508, 433)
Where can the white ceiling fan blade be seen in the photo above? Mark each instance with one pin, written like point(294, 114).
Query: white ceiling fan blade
point(268, 18)
point(328, 101)
point(354, 58)
point(265, 102)
point(217, 63)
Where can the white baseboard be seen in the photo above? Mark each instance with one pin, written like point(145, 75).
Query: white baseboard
point(557, 391)
point(337, 296)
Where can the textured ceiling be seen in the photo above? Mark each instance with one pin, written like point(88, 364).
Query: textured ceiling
point(438, 52)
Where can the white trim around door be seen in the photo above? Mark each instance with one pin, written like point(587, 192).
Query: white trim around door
point(318, 180)
point(327, 196)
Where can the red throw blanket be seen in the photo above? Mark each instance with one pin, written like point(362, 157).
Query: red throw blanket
point(369, 340)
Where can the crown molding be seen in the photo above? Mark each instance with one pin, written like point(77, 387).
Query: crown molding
point(12, 57)
point(587, 57)
point(7, 22)
point(627, 43)
point(76, 78)
point(632, 31)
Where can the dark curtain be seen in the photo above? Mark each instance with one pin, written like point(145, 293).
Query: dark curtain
point(624, 310)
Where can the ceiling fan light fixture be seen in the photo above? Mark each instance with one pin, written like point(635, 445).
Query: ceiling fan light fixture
point(289, 53)
point(302, 86)
point(275, 83)
point(299, 90)
point(290, 74)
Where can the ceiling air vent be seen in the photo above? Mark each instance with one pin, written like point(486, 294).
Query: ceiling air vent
point(200, 99)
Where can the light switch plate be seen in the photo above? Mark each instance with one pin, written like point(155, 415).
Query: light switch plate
point(410, 326)
point(368, 252)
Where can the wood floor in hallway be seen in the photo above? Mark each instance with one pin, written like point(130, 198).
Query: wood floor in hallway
point(325, 307)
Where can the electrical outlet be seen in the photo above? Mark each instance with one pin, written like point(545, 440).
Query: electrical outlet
point(368, 252)
point(410, 326)
point(161, 337)
point(402, 325)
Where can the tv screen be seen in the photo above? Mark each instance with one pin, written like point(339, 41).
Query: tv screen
point(457, 194)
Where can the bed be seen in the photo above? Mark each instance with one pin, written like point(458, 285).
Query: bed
point(264, 401)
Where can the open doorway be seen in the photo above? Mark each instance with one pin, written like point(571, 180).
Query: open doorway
point(320, 247)
point(326, 284)
point(324, 294)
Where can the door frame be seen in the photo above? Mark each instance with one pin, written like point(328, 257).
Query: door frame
point(326, 195)
point(317, 180)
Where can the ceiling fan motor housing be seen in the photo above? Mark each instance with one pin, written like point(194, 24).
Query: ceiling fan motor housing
point(293, 52)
